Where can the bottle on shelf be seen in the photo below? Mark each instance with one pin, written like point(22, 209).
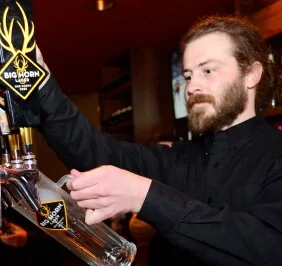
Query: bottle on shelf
point(119, 116)
point(279, 74)
point(275, 99)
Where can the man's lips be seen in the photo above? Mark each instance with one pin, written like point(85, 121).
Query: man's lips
point(199, 99)
point(199, 102)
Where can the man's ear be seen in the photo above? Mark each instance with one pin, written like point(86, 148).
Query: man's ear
point(253, 75)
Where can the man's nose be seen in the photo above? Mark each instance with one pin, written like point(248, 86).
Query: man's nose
point(193, 86)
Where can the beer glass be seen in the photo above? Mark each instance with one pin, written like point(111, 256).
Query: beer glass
point(62, 219)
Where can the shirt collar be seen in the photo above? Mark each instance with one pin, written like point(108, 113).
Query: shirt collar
point(239, 135)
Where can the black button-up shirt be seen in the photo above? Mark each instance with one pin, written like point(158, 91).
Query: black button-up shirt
point(214, 202)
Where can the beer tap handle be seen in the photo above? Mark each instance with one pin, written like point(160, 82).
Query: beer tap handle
point(29, 157)
point(16, 152)
point(5, 152)
point(14, 141)
point(26, 137)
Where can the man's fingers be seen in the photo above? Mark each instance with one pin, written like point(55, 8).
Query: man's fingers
point(92, 192)
point(39, 56)
point(86, 179)
point(82, 182)
point(97, 215)
point(75, 173)
point(98, 203)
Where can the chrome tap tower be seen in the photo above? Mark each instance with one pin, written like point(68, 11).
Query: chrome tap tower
point(23, 186)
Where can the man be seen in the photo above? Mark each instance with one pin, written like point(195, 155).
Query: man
point(214, 202)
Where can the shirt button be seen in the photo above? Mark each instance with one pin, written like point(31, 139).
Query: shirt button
point(215, 165)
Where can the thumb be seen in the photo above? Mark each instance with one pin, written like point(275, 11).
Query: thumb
point(40, 61)
point(39, 57)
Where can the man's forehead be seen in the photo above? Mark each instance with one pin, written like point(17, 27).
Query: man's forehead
point(212, 37)
point(211, 47)
point(210, 43)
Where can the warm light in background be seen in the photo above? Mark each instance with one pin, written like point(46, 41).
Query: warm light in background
point(102, 5)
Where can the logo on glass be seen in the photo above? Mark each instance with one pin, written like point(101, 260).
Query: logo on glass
point(53, 216)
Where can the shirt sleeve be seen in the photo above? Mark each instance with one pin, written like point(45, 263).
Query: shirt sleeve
point(219, 236)
point(78, 144)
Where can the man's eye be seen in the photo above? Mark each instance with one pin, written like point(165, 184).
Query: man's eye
point(188, 78)
point(208, 71)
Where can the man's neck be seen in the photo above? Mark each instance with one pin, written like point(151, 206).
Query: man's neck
point(246, 115)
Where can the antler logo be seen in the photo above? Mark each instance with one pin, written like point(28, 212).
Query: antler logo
point(44, 211)
point(6, 33)
point(21, 64)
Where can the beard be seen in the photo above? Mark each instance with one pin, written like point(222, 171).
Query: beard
point(231, 103)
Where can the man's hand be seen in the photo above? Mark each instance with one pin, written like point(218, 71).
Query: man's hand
point(107, 191)
point(17, 238)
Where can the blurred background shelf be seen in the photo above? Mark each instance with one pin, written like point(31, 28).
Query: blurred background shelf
point(124, 126)
point(270, 112)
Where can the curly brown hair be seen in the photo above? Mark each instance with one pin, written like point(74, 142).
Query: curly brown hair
point(248, 48)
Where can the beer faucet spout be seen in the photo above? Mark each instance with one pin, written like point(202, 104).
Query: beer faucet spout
point(25, 182)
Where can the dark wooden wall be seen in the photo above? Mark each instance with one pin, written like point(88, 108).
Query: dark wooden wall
point(151, 93)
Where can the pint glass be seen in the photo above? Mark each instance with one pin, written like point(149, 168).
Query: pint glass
point(62, 219)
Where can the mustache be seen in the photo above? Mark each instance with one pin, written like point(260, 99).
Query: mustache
point(200, 98)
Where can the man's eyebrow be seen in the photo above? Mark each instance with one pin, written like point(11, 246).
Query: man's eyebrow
point(185, 70)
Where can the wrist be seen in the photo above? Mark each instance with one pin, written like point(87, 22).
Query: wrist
point(141, 193)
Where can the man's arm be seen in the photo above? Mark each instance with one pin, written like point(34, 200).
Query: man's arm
point(219, 236)
point(80, 145)
point(75, 140)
